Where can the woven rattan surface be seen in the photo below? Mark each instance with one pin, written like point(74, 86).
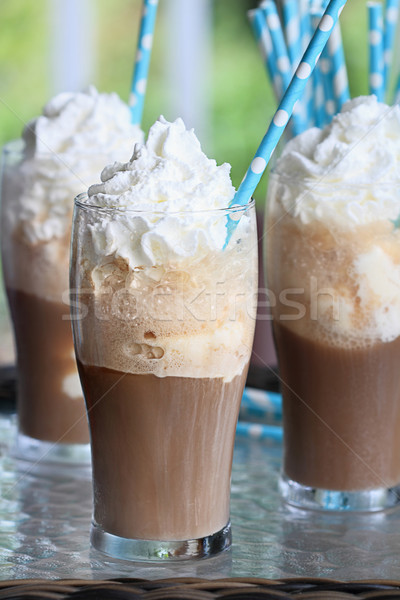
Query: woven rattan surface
point(198, 589)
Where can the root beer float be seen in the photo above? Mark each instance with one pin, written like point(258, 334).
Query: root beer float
point(163, 324)
point(333, 255)
point(61, 152)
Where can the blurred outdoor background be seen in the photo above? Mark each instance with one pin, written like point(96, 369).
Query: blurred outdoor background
point(205, 67)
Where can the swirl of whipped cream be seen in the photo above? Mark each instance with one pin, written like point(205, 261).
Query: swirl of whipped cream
point(168, 175)
point(347, 173)
point(65, 149)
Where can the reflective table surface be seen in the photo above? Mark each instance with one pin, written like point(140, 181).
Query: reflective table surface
point(45, 521)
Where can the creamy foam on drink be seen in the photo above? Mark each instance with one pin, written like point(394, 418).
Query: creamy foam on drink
point(62, 152)
point(340, 187)
point(164, 271)
point(65, 148)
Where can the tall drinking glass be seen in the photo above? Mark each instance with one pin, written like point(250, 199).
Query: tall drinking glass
point(35, 254)
point(335, 293)
point(163, 353)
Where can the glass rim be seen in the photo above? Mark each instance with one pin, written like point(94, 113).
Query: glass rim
point(78, 202)
point(323, 182)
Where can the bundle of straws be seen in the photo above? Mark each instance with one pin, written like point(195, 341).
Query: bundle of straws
point(283, 29)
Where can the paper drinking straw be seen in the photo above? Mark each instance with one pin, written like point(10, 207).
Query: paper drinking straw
point(285, 109)
point(375, 42)
point(318, 97)
point(305, 24)
point(291, 26)
point(391, 19)
point(306, 32)
point(261, 404)
point(339, 71)
point(142, 63)
point(283, 63)
point(329, 101)
point(320, 81)
point(263, 38)
point(258, 431)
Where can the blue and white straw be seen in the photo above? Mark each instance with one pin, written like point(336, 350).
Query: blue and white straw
point(261, 404)
point(265, 45)
point(259, 431)
point(376, 67)
point(142, 63)
point(325, 65)
point(391, 19)
point(334, 49)
point(286, 106)
point(291, 26)
point(283, 64)
point(322, 87)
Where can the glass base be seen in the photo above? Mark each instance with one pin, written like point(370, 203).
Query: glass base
point(303, 496)
point(42, 455)
point(153, 550)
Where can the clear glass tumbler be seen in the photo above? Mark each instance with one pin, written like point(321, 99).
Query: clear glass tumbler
point(334, 286)
point(37, 203)
point(163, 353)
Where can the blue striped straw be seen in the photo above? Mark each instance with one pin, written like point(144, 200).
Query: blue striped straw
point(261, 404)
point(285, 109)
point(291, 26)
point(142, 63)
point(259, 431)
point(391, 18)
point(335, 52)
point(283, 64)
point(265, 45)
point(376, 72)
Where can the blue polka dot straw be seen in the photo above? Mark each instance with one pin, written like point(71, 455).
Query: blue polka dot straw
point(376, 72)
point(259, 431)
point(391, 18)
point(335, 52)
point(264, 41)
point(291, 25)
point(284, 67)
point(143, 54)
point(286, 106)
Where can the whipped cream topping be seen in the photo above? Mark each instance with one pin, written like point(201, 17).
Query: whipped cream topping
point(65, 149)
point(349, 172)
point(169, 174)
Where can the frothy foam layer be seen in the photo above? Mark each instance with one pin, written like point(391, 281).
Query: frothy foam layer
point(168, 175)
point(340, 232)
point(64, 151)
point(170, 322)
point(347, 173)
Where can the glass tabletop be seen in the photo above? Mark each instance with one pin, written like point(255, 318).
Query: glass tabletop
point(45, 521)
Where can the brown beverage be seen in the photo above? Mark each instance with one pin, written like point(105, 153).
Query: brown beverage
point(333, 255)
point(352, 444)
point(50, 402)
point(148, 447)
